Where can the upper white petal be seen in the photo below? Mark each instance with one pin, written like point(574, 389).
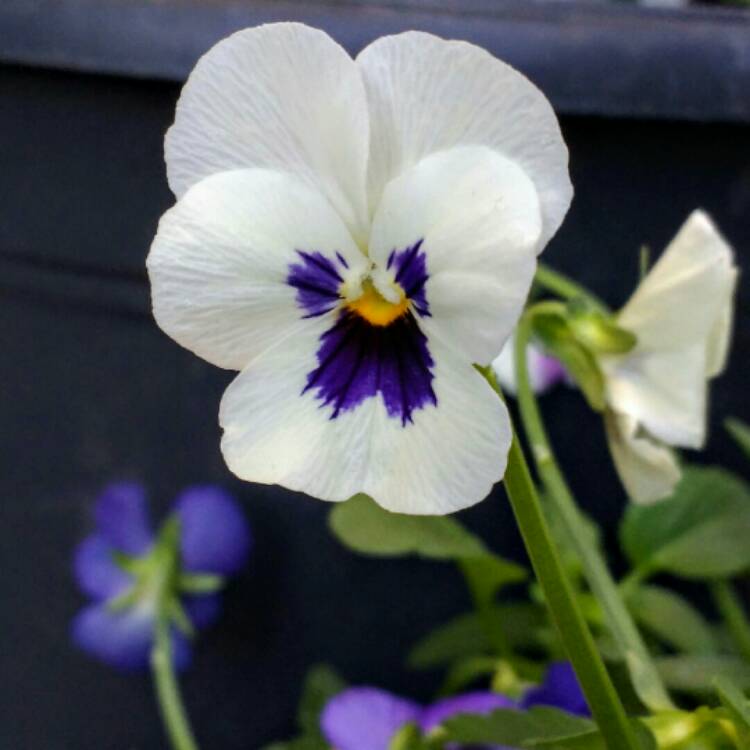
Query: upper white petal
point(681, 315)
point(648, 469)
point(478, 216)
point(447, 459)
point(283, 96)
point(221, 257)
point(426, 94)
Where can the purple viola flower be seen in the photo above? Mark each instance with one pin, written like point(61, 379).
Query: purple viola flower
point(129, 572)
point(367, 718)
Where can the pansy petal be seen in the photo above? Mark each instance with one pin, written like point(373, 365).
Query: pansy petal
point(664, 391)
point(560, 689)
point(477, 703)
point(121, 639)
point(544, 371)
point(419, 440)
point(221, 263)
point(214, 535)
point(121, 518)
point(647, 468)
point(365, 718)
point(281, 96)
point(426, 94)
point(203, 610)
point(476, 215)
point(96, 571)
point(685, 295)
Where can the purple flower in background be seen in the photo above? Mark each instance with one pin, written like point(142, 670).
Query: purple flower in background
point(130, 572)
point(366, 718)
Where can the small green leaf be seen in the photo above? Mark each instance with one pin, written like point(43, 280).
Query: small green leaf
point(740, 431)
point(365, 527)
point(522, 729)
point(321, 684)
point(200, 583)
point(487, 574)
point(738, 706)
point(701, 531)
point(466, 671)
point(696, 673)
point(672, 619)
point(465, 636)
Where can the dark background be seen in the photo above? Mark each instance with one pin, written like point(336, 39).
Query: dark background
point(91, 391)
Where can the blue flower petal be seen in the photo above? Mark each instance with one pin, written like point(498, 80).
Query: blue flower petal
point(365, 718)
point(559, 689)
point(123, 639)
point(96, 571)
point(214, 535)
point(203, 610)
point(122, 519)
point(478, 703)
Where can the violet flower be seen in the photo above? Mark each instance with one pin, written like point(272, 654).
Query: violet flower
point(367, 718)
point(130, 572)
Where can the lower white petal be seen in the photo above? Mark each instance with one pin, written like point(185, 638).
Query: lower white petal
point(476, 217)
point(647, 468)
point(221, 262)
point(666, 392)
point(444, 454)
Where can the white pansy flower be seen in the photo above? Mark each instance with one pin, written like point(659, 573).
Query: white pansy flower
point(352, 235)
point(544, 371)
point(681, 314)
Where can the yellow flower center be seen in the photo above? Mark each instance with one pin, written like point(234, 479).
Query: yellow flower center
point(375, 309)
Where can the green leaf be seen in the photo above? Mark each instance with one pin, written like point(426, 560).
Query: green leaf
point(465, 636)
point(365, 527)
point(740, 431)
point(465, 671)
point(522, 729)
point(487, 574)
point(594, 741)
point(738, 706)
point(321, 684)
point(672, 619)
point(696, 673)
point(701, 531)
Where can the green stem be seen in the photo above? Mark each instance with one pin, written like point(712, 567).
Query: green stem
point(576, 638)
point(645, 676)
point(733, 613)
point(565, 287)
point(167, 689)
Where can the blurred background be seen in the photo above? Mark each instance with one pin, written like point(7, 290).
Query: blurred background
point(655, 107)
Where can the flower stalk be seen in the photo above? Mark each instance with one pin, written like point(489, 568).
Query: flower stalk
point(647, 680)
point(601, 695)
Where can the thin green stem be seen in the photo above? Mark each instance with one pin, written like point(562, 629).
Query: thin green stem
point(565, 287)
point(575, 636)
point(734, 615)
point(172, 710)
point(645, 676)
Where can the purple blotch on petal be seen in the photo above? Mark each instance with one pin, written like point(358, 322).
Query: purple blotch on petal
point(214, 535)
point(122, 519)
point(478, 703)
point(357, 360)
point(317, 283)
point(560, 689)
point(96, 571)
point(411, 274)
point(365, 718)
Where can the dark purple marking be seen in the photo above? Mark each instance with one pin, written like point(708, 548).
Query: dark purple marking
point(411, 274)
point(317, 283)
point(357, 360)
